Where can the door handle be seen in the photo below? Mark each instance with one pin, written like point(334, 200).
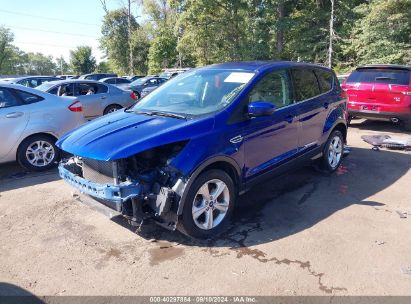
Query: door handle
point(289, 118)
point(326, 104)
point(103, 97)
point(14, 114)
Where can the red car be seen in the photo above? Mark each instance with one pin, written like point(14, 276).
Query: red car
point(380, 92)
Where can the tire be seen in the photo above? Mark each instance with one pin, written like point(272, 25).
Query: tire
point(40, 147)
point(198, 199)
point(111, 109)
point(333, 152)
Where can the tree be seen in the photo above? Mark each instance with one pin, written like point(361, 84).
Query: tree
point(62, 66)
point(39, 64)
point(116, 37)
point(103, 67)
point(82, 61)
point(6, 49)
point(381, 33)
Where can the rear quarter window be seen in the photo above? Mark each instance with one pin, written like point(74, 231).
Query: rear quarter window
point(325, 79)
point(305, 84)
point(387, 76)
point(28, 98)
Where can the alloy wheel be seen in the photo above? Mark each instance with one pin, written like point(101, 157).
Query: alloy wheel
point(335, 150)
point(40, 153)
point(210, 204)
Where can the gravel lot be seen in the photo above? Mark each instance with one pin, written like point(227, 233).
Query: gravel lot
point(304, 234)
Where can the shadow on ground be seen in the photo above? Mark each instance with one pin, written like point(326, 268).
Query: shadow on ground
point(12, 294)
point(297, 201)
point(375, 125)
point(12, 176)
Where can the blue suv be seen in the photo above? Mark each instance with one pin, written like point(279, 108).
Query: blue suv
point(185, 152)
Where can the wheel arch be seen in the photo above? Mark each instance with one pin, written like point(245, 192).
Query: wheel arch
point(110, 105)
point(224, 163)
point(49, 134)
point(342, 128)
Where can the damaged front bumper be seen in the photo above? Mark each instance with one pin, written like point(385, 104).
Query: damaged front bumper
point(112, 194)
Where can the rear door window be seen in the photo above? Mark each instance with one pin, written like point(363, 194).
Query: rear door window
point(305, 84)
point(28, 98)
point(110, 81)
point(386, 76)
point(325, 79)
point(7, 99)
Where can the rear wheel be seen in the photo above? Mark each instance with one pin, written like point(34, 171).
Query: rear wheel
point(111, 109)
point(333, 152)
point(208, 205)
point(38, 153)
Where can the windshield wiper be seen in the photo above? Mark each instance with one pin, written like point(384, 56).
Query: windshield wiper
point(164, 114)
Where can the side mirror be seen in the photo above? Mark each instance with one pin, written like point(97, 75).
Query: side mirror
point(260, 108)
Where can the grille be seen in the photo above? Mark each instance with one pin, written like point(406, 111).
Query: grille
point(102, 172)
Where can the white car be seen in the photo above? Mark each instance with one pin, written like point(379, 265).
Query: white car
point(31, 121)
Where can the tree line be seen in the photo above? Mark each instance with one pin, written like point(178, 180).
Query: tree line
point(188, 33)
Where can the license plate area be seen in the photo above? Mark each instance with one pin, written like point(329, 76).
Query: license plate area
point(370, 108)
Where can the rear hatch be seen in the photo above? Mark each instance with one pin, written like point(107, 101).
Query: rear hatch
point(372, 87)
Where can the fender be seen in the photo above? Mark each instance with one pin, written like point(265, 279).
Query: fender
point(335, 117)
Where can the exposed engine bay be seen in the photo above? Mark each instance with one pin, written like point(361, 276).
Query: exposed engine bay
point(142, 186)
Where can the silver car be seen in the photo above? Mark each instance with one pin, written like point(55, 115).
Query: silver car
point(31, 121)
point(97, 98)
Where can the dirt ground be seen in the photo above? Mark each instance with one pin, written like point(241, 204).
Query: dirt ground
point(303, 234)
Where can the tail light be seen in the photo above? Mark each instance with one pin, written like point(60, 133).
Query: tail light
point(133, 95)
point(343, 94)
point(76, 107)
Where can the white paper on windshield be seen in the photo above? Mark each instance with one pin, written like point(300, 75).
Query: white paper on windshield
point(239, 77)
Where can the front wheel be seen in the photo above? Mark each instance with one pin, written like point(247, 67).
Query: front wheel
point(208, 205)
point(333, 152)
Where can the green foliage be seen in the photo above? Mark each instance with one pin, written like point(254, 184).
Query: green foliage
point(382, 33)
point(7, 51)
point(82, 60)
point(103, 67)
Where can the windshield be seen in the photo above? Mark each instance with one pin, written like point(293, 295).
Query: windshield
point(198, 92)
point(45, 86)
point(140, 81)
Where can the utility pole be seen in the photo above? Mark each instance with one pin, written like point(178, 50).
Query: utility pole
point(130, 44)
point(332, 34)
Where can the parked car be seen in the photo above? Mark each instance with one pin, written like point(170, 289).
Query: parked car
point(97, 98)
point(96, 76)
point(31, 121)
point(133, 77)
point(30, 81)
point(184, 152)
point(146, 91)
point(170, 73)
point(342, 78)
point(118, 82)
point(138, 85)
point(380, 92)
point(67, 76)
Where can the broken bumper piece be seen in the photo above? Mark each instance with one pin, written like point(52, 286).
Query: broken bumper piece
point(113, 194)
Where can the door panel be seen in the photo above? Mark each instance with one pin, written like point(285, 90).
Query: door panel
point(271, 140)
point(93, 101)
point(13, 119)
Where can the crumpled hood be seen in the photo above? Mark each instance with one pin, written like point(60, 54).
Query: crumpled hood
point(123, 134)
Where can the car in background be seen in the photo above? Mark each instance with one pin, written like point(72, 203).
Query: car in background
point(67, 76)
point(118, 82)
point(380, 91)
point(31, 121)
point(138, 85)
point(170, 73)
point(342, 78)
point(97, 98)
point(96, 76)
point(146, 91)
point(132, 78)
point(183, 154)
point(30, 81)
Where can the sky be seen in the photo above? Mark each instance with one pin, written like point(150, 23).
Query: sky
point(54, 27)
